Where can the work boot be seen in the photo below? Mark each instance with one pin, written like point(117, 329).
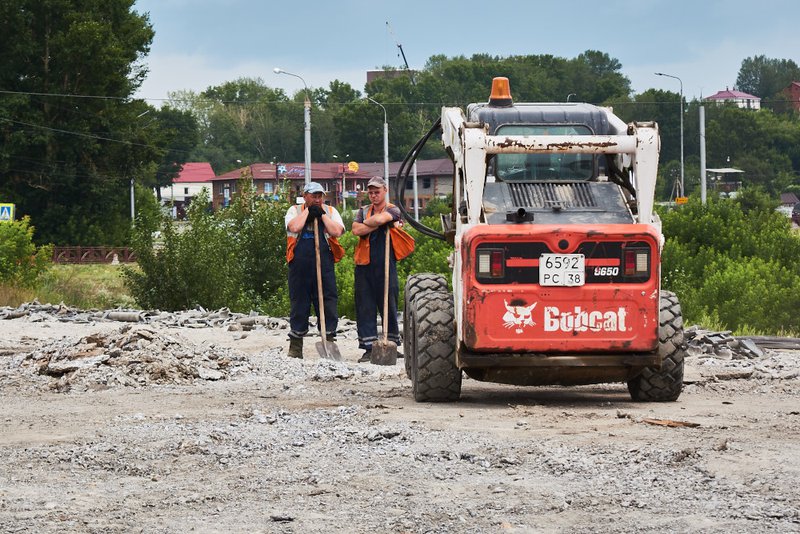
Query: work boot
point(296, 347)
point(330, 338)
point(366, 357)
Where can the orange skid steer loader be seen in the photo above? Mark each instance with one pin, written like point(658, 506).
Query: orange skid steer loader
point(556, 261)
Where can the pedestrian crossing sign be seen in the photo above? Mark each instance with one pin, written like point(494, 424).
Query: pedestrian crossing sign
point(6, 212)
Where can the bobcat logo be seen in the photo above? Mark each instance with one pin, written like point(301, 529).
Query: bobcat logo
point(517, 317)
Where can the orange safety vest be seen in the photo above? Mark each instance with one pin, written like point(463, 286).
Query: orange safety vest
point(402, 242)
point(336, 248)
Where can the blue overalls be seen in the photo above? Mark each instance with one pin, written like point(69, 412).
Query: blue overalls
point(303, 283)
point(369, 292)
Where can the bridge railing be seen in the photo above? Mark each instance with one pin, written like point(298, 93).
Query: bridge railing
point(93, 255)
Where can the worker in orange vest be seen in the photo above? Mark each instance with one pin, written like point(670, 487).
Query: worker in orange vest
point(370, 225)
point(301, 256)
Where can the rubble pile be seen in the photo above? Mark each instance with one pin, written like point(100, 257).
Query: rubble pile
point(132, 356)
point(34, 312)
point(721, 356)
point(720, 345)
point(197, 318)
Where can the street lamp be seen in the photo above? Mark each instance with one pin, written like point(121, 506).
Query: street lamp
point(681, 82)
point(344, 183)
point(385, 146)
point(306, 120)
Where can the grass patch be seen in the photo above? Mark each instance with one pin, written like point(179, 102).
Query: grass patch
point(92, 286)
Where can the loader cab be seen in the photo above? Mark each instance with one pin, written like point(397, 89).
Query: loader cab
point(543, 167)
point(504, 117)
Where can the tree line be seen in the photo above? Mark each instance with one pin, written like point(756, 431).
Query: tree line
point(73, 138)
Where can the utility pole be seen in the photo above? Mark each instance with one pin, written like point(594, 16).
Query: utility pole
point(306, 120)
point(683, 191)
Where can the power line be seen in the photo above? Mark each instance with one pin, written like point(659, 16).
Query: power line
point(79, 134)
point(66, 95)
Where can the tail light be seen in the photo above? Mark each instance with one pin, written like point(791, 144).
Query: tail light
point(636, 261)
point(491, 263)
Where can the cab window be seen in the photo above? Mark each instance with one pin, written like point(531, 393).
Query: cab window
point(544, 167)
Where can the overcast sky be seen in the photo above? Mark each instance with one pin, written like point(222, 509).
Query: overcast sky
point(199, 43)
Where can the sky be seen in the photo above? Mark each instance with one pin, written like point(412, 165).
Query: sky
point(201, 43)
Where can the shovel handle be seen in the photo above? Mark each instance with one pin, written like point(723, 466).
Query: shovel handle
point(322, 326)
point(386, 287)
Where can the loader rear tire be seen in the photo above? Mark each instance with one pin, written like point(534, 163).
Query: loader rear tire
point(417, 284)
point(661, 384)
point(434, 374)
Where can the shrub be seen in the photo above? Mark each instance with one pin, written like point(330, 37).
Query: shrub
point(734, 262)
point(234, 258)
point(21, 262)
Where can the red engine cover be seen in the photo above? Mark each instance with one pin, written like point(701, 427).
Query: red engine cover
point(606, 315)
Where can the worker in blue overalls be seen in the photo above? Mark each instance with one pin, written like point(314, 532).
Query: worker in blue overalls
point(301, 256)
point(371, 224)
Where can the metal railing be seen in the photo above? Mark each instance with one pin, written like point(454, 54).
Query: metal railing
point(93, 255)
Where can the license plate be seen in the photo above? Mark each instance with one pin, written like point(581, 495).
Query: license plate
point(562, 270)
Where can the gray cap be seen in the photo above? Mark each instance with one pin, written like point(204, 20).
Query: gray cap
point(313, 187)
point(376, 181)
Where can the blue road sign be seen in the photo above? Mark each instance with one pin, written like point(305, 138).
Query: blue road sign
point(6, 212)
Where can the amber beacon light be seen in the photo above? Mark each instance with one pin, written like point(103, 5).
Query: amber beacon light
point(501, 93)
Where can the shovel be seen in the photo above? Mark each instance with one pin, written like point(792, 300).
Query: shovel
point(384, 352)
point(326, 349)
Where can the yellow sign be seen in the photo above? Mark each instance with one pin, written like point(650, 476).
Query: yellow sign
point(6, 212)
point(681, 200)
point(352, 166)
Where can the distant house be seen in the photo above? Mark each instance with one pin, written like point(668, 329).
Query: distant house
point(792, 94)
point(190, 181)
point(434, 180)
point(743, 100)
point(788, 202)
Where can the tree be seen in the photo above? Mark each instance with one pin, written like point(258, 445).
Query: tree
point(766, 77)
point(179, 135)
point(68, 131)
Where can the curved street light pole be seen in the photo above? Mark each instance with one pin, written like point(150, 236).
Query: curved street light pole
point(385, 146)
point(681, 82)
point(306, 121)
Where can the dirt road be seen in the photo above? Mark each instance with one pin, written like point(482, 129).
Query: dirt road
point(111, 427)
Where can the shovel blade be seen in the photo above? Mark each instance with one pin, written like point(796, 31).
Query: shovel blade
point(328, 350)
point(383, 353)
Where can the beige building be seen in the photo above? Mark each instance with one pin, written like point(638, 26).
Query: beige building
point(434, 180)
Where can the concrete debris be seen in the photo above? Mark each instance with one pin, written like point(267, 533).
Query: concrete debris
point(720, 356)
point(720, 345)
point(197, 318)
point(133, 356)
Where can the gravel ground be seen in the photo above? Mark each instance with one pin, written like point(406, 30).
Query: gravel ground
point(199, 422)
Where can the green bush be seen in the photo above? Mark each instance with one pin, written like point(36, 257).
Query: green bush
point(21, 262)
point(734, 263)
point(234, 258)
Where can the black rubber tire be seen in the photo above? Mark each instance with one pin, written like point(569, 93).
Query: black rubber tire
point(416, 284)
point(434, 375)
point(664, 384)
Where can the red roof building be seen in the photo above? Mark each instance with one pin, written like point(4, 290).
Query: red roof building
point(743, 100)
point(434, 179)
point(792, 94)
point(194, 176)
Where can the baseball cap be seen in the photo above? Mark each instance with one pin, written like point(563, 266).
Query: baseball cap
point(313, 187)
point(376, 181)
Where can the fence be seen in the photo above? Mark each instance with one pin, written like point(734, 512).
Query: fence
point(93, 255)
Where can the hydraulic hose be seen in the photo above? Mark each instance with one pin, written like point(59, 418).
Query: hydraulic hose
point(402, 178)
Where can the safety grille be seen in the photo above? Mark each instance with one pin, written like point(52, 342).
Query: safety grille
point(549, 195)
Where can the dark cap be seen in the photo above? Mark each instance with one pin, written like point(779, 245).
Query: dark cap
point(376, 181)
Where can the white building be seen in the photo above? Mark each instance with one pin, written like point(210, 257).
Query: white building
point(743, 100)
point(190, 181)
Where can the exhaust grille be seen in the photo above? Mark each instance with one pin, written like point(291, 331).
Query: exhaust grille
point(552, 195)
